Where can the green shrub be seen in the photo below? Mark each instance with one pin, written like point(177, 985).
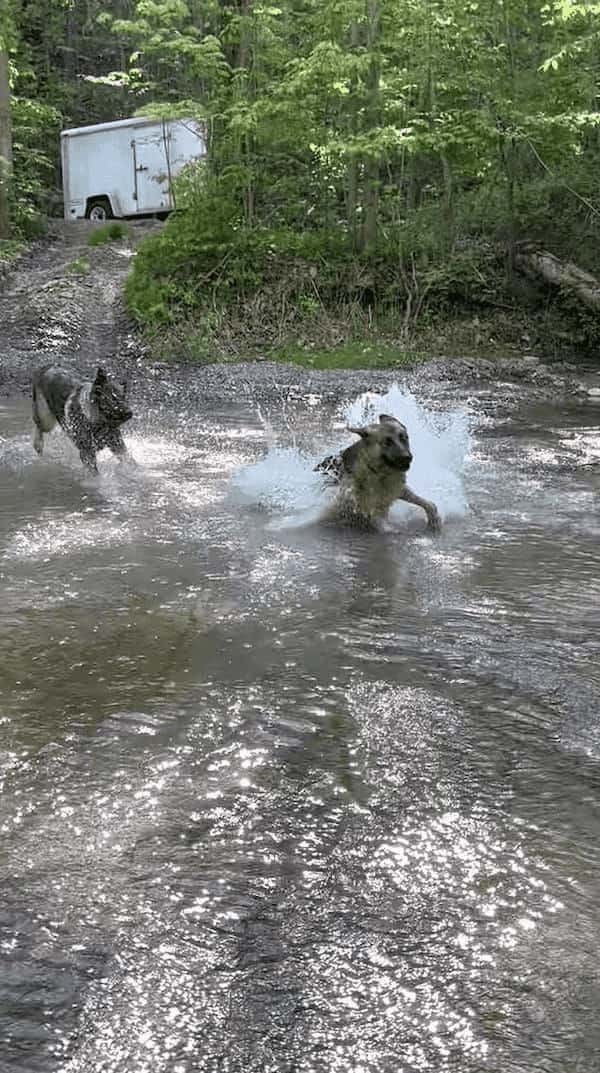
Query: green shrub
point(211, 284)
point(35, 136)
point(10, 250)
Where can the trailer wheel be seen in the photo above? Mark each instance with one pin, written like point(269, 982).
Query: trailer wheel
point(99, 210)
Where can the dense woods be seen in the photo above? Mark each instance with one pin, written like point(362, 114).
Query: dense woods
point(372, 164)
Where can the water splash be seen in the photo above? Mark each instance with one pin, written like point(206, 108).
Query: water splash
point(285, 484)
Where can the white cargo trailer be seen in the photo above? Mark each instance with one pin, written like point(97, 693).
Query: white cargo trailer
point(126, 168)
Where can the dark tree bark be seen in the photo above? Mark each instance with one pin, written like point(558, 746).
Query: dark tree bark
point(371, 164)
point(5, 146)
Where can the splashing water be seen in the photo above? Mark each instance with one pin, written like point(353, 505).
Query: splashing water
point(284, 481)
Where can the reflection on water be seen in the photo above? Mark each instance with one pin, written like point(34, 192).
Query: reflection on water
point(280, 798)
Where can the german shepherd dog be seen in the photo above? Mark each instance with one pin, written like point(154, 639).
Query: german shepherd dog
point(371, 475)
point(90, 413)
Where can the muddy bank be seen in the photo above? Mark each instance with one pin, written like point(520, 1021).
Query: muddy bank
point(63, 302)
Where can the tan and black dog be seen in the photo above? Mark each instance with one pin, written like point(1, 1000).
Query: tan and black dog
point(371, 474)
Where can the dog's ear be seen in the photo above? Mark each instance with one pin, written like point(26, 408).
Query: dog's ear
point(100, 376)
point(362, 432)
point(387, 419)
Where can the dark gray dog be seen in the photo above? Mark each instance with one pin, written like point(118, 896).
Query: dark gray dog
point(90, 413)
point(371, 474)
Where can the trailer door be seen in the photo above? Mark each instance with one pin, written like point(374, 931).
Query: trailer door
point(151, 174)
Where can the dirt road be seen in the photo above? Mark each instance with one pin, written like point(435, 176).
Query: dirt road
point(63, 302)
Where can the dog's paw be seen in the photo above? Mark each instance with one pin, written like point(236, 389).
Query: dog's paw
point(434, 521)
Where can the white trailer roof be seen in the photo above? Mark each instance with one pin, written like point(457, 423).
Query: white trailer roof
point(139, 122)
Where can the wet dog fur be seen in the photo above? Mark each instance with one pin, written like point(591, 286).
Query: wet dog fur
point(91, 413)
point(371, 475)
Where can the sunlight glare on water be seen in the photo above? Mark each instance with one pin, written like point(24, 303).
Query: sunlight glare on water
point(280, 797)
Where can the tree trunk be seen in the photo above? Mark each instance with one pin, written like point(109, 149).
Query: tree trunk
point(540, 264)
point(352, 169)
point(448, 200)
point(371, 165)
point(506, 157)
point(5, 146)
point(247, 89)
point(509, 147)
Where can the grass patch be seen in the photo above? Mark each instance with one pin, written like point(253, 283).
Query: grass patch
point(112, 232)
point(357, 355)
point(80, 267)
point(10, 249)
point(188, 343)
point(190, 346)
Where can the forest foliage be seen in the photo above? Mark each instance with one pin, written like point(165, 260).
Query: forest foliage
point(369, 160)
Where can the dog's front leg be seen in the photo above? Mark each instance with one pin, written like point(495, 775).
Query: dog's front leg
point(87, 452)
point(116, 444)
point(88, 457)
point(434, 521)
point(38, 440)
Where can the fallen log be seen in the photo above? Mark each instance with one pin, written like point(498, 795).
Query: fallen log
point(540, 264)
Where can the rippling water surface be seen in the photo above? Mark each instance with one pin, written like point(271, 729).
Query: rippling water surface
point(281, 799)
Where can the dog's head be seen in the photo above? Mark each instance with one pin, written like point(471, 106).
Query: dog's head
point(387, 442)
point(109, 397)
